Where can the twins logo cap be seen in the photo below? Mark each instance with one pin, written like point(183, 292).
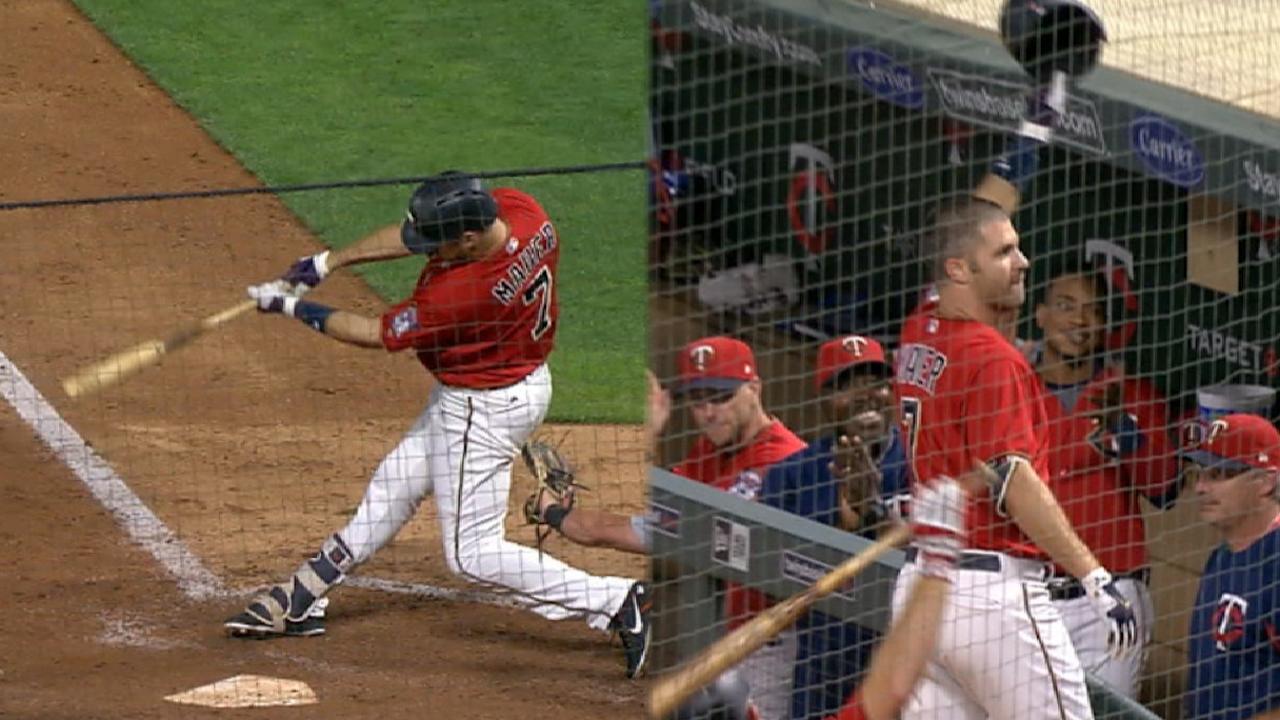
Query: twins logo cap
point(1238, 442)
point(716, 363)
point(844, 353)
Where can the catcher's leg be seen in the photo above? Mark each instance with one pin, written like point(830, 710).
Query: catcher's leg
point(474, 439)
point(393, 494)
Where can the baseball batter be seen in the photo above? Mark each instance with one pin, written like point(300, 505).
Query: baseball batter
point(737, 442)
point(482, 320)
point(1109, 448)
point(967, 395)
point(1233, 669)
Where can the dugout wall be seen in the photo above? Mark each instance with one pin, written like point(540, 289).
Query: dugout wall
point(802, 145)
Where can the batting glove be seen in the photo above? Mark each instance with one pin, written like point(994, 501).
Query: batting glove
point(275, 302)
point(937, 520)
point(1122, 635)
point(307, 272)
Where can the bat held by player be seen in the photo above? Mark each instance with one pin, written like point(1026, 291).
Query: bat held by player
point(127, 362)
point(668, 693)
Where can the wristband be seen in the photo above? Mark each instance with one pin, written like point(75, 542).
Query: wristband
point(554, 515)
point(321, 261)
point(313, 315)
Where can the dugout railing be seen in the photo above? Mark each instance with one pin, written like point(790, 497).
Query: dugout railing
point(702, 535)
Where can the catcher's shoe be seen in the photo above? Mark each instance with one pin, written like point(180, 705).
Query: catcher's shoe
point(257, 621)
point(634, 629)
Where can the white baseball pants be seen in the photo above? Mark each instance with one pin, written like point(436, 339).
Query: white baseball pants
point(462, 447)
point(1089, 636)
point(1003, 651)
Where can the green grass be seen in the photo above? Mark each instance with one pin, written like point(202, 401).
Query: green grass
point(308, 92)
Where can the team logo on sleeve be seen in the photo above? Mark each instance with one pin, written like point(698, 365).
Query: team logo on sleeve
point(747, 484)
point(404, 321)
point(1228, 620)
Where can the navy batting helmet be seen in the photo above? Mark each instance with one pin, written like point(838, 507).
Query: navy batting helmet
point(1048, 35)
point(443, 208)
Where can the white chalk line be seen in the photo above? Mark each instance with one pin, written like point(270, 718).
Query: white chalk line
point(142, 525)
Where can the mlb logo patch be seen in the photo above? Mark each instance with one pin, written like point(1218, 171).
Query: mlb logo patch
point(747, 485)
point(404, 321)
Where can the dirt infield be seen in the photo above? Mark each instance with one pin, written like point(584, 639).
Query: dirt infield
point(250, 445)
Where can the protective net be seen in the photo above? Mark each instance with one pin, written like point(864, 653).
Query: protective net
point(801, 153)
point(148, 511)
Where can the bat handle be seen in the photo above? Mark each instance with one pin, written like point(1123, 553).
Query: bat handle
point(230, 313)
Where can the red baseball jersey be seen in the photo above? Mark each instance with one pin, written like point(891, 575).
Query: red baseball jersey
point(1099, 487)
point(965, 395)
point(741, 473)
point(486, 323)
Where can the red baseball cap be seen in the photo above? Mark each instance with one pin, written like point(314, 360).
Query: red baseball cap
point(716, 363)
point(836, 356)
point(1238, 442)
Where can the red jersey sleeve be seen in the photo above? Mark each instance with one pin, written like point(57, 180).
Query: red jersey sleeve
point(1002, 409)
point(410, 324)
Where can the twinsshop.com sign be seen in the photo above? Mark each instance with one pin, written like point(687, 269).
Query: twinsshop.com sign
point(734, 33)
point(1002, 105)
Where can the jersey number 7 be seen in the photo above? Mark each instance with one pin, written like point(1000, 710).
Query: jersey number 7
point(540, 291)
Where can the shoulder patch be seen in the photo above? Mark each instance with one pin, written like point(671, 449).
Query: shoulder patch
point(405, 321)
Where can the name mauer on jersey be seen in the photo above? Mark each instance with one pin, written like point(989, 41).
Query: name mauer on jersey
point(920, 366)
point(522, 267)
point(491, 321)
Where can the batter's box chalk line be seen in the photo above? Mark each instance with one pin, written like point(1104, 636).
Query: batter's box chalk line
point(142, 525)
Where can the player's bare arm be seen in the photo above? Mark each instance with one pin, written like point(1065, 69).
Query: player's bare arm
point(382, 244)
point(599, 528)
point(1036, 511)
point(902, 656)
point(341, 325)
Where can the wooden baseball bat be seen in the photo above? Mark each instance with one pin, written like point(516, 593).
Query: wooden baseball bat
point(145, 354)
point(676, 687)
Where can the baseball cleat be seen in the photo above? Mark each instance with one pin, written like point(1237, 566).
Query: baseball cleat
point(257, 622)
point(634, 629)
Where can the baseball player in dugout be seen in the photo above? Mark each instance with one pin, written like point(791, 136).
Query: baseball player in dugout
point(966, 394)
point(482, 320)
point(1109, 446)
point(1233, 669)
point(738, 440)
point(853, 477)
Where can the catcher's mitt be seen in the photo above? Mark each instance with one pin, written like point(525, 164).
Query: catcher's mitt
point(556, 485)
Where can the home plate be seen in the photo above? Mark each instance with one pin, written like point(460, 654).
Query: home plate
point(244, 691)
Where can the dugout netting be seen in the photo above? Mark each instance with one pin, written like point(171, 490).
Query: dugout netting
point(799, 152)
